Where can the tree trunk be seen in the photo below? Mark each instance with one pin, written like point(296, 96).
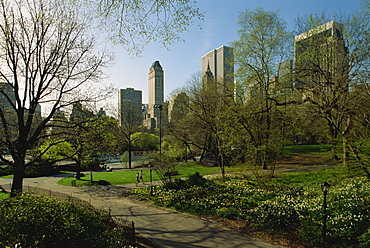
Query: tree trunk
point(129, 153)
point(78, 169)
point(17, 184)
point(345, 154)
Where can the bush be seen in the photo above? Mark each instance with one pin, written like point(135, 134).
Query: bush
point(41, 170)
point(39, 221)
point(348, 207)
point(296, 209)
point(228, 213)
point(196, 180)
point(6, 170)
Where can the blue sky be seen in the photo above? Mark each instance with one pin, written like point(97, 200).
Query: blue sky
point(219, 28)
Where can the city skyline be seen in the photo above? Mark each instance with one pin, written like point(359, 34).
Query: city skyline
point(219, 28)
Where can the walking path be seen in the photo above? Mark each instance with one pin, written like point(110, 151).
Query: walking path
point(165, 227)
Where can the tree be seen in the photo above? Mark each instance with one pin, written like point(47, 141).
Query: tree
point(333, 71)
point(263, 44)
point(145, 141)
point(47, 59)
point(91, 136)
point(204, 124)
point(86, 138)
point(134, 24)
point(131, 120)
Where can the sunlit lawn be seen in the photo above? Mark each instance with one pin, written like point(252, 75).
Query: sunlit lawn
point(4, 195)
point(120, 177)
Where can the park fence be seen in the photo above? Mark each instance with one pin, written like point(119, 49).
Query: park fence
point(127, 227)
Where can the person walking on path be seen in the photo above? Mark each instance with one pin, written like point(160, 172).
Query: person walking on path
point(141, 176)
point(137, 178)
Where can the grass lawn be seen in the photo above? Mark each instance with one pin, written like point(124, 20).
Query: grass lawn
point(314, 178)
point(129, 176)
point(4, 195)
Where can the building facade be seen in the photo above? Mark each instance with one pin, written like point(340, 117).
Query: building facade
point(178, 107)
point(7, 96)
point(155, 95)
point(321, 60)
point(218, 68)
point(130, 107)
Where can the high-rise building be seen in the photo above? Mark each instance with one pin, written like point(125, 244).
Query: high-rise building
point(155, 95)
point(178, 107)
point(321, 57)
point(218, 66)
point(130, 107)
point(7, 96)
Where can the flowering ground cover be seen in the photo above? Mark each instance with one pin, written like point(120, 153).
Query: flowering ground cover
point(284, 205)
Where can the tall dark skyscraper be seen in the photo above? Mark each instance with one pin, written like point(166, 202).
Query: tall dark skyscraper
point(129, 107)
point(155, 94)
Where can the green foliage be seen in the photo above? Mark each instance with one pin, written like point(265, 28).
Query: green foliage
point(128, 176)
point(207, 198)
point(145, 141)
point(307, 148)
point(56, 150)
point(4, 195)
point(196, 180)
point(39, 221)
point(348, 212)
point(291, 203)
point(192, 167)
point(41, 170)
point(228, 213)
point(6, 170)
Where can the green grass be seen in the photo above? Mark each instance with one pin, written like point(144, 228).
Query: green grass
point(129, 176)
point(8, 176)
point(114, 177)
point(189, 168)
point(314, 177)
point(4, 195)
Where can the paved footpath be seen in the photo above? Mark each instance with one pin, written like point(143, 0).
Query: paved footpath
point(165, 227)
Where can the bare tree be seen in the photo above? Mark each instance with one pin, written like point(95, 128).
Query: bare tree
point(47, 60)
point(134, 24)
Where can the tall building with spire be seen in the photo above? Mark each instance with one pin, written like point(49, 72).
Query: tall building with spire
point(218, 68)
point(155, 95)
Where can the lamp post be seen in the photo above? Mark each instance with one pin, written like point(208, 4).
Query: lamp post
point(325, 188)
point(151, 179)
point(160, 130)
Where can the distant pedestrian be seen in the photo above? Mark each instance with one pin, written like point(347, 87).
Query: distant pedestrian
point(141, 176)
point(137, 178)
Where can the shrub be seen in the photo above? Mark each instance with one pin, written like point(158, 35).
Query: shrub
point(196, 180)
point(6, 170)
point(347, 210)
point(39, 221)
point(228, 213)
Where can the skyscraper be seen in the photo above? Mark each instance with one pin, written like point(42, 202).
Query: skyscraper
point(178, 107)
point(321, 58)
point(219, 64)
point(155, 94)
point(130, 107)
point(5, 105)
